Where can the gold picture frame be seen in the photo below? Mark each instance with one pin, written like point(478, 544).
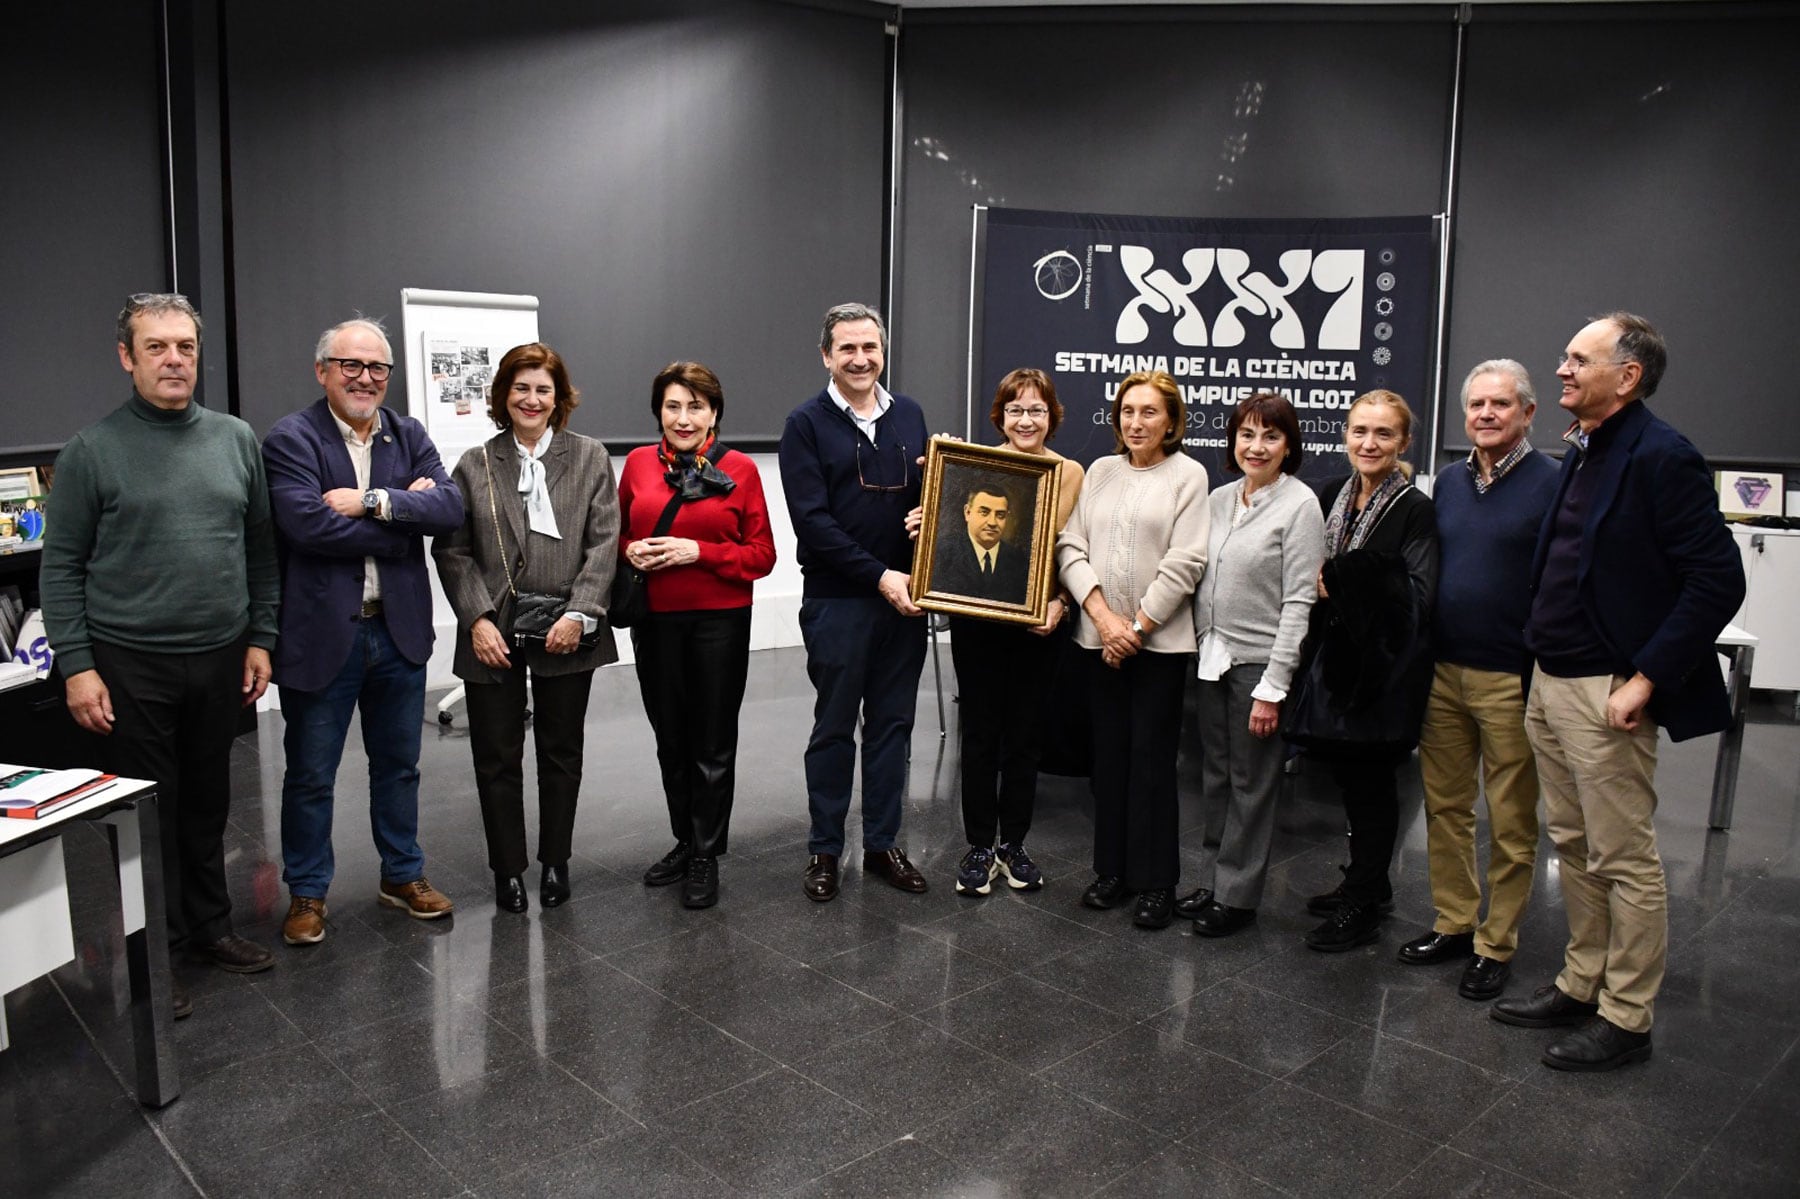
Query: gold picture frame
point(987, 544)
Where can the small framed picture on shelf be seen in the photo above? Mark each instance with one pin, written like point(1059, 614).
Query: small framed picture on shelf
point(1747, 493)
point(20, 483)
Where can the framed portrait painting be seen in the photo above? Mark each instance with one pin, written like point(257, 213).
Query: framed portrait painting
point(987, 545)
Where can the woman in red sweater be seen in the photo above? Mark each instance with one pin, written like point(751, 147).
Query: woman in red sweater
point(693, 650)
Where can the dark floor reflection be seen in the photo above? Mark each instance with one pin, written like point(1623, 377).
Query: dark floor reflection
point(888, 1044)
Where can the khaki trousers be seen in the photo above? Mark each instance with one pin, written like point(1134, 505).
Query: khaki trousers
point(1600, 805)
point(1476, 718)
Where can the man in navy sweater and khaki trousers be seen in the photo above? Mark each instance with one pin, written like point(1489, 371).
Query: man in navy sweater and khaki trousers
point(1489, 510)
point(848, 467)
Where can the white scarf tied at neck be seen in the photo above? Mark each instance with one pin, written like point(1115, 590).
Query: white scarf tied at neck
point(531, 485)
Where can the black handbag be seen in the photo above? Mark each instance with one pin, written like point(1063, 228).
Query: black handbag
point(532, 612)
point(629, 602)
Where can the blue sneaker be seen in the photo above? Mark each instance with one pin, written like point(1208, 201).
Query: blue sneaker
point(975, 873)
point(1022, 874)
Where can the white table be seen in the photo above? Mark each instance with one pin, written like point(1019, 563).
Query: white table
point(35, 932)
point(1739, 645)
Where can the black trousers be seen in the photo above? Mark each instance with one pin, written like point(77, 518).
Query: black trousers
point(1372, 807)
point(691, 668)
point(497, 741)
point(1003, 675)
point(1136, 713)
point(174, 718)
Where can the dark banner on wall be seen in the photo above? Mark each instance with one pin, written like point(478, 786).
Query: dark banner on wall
point(1320, 311)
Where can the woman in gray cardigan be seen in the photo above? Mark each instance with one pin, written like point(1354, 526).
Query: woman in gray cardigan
point(541, 516)
point(1250, 614)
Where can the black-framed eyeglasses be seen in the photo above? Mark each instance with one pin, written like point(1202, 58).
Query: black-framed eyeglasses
point(353, 368)
point(1036, 412)
point(876, 456)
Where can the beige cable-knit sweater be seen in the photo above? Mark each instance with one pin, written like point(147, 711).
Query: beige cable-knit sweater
point(1140, 535)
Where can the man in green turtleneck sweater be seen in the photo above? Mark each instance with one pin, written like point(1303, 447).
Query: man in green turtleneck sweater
point(159, 587)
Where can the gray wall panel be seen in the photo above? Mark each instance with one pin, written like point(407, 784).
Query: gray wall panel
point(693, 180)
point(1158, 116)
point(1648, 164)
point(82, 207)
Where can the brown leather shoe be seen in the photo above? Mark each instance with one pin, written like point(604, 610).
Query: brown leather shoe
point(821, 881)
point(305, 923)
point(418, 899)
point(892, 865)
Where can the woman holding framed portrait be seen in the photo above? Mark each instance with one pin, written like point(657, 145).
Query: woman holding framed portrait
point(1003, 671)
point(696, 523)
point(540, 531)
point(1267, 540)
point(1131, 556)
point(1366, 664)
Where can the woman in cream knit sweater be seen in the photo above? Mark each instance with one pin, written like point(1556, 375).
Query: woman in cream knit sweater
point(1131, 555)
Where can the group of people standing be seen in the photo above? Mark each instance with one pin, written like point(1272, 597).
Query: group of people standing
point(1532, 625)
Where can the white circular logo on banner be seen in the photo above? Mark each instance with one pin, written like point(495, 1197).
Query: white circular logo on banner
point(1057, 275)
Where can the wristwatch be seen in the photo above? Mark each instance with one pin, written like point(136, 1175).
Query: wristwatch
point(371, 502)
point(1137, 626)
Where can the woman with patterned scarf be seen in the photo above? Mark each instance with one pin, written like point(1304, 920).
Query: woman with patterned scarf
point(1367, 660)
point(540, 532)
point(693, 649)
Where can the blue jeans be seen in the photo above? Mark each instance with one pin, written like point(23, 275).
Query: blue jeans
point(390, 691)
point(864, 660)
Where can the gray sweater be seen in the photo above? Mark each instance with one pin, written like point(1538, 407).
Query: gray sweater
point(1262, 576)
point(1138, 534)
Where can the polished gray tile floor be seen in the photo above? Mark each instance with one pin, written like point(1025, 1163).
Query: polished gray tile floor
point(900, 1045)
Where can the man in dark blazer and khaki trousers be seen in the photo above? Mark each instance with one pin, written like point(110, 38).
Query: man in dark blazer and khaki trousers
point(1634, 576)
point(354, 491)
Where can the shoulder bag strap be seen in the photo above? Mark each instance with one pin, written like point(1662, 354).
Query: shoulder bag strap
point(494, 511)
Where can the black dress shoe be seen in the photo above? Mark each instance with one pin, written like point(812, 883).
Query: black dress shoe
point(1106, 891)
point(1548, 1007)
point(671, 867)
point(232, 952)
point(1433, 946)
point(1483, 978)
point(1155, 908)
point(178, 1000)
point(1217, 920)
point(1598, 1045)
point(1189, 906)
point(553, 885)
point(821, 881)
point(1347, 928)
point(701, 890)
point(509, 893)
point(891, 864)
point(1332, 900)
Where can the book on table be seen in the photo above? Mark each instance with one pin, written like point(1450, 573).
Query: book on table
point(28, 792)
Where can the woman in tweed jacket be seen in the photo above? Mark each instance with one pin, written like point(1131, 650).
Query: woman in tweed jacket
point(541, 516)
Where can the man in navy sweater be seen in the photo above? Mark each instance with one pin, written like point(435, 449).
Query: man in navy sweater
point(1489, 510)
point(849, 471)
point(1634, 576)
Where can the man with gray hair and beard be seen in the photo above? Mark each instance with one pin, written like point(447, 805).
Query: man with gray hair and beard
point(355, 490)
point(1489, 509)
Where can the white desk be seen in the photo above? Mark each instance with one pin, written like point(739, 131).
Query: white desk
point(1738, 645)
point(35, 934)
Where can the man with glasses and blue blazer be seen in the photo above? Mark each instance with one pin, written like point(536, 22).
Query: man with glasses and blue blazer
point(354, 490)
point(849, 467)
